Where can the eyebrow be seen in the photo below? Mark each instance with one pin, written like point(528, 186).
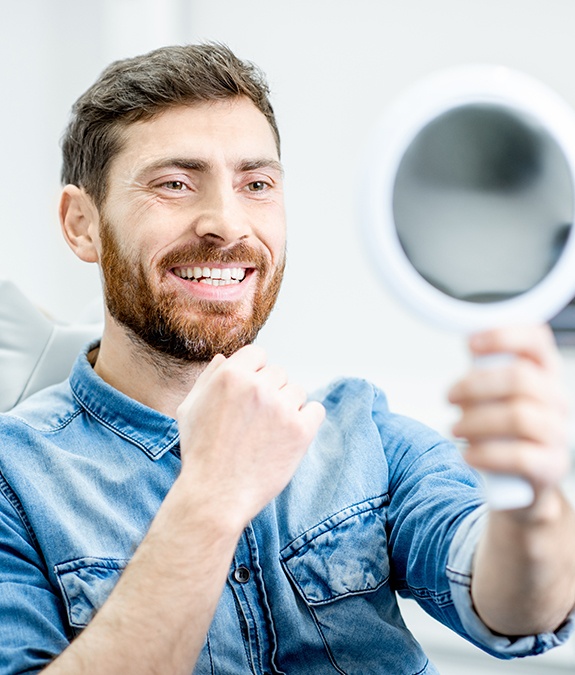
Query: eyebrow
point(203, 166)
point(264, 163)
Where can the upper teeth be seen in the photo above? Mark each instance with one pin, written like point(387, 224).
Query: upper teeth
point(215, 276)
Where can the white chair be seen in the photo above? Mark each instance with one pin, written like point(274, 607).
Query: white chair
point(36, 351)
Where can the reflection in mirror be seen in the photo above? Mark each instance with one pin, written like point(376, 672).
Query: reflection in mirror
point(483, 202)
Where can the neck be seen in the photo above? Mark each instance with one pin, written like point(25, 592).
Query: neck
point(143, 374)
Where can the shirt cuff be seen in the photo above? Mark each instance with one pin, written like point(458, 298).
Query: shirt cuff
point(459, 567)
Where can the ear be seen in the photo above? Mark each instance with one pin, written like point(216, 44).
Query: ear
point(79, 220)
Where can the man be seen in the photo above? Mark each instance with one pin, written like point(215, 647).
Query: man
point(178, 505)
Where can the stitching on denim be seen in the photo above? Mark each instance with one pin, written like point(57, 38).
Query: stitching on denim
point(419, 672)
point(13, 500)
point(331, 656)
point(242, 620)
point(249, 538)
point(383, 497)
point(122, 434)
point(457, 582)
point(458, 573)
point(68, 602)
point(458, 578)
point(284, 561)
point(114, 564)
point(440, 599)
point(60, 574)
point(210, 657)
point(255, 658)
point(51, 430)
point(325, 643)
point(269, 622)
point(342, 596)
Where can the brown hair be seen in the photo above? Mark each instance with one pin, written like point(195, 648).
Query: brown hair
point(137, 89)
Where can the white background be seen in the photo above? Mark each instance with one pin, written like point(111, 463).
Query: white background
point(333, 66)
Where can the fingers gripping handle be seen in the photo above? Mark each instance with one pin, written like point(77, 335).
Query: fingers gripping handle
point(504, 491)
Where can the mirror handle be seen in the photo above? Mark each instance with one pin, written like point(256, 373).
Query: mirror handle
point(507, 492)
point(504, 491)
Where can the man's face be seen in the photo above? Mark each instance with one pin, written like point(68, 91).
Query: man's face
point(192, 231)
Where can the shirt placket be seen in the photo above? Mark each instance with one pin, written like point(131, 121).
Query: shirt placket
point(248, 587)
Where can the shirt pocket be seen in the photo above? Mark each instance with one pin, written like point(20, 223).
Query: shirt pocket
point(340, 569)
point(85, 584)
point(345, 554)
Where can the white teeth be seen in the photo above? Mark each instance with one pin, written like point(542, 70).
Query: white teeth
point(216, 276)
point(214, 282)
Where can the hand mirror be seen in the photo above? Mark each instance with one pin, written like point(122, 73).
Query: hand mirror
point(469, 205)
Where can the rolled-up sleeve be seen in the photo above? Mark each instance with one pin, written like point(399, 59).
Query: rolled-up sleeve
point(459, 571)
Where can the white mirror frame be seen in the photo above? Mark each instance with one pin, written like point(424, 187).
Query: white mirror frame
point(417, 107)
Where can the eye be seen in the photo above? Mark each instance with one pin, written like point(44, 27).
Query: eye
point(257, 186)
point(176, 185)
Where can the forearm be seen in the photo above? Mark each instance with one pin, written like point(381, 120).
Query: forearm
point(157, 617)
point(524, 569)
point(243, 431)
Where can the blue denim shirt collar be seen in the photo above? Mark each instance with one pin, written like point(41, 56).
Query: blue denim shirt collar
point(151, 431)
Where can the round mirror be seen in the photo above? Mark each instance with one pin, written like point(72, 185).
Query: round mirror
point(469, 204)
point(470, 198)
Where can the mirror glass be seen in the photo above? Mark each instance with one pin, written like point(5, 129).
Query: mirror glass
point(483, 202)
point(467, 198)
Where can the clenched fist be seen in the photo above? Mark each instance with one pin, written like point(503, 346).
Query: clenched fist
point(244, 428)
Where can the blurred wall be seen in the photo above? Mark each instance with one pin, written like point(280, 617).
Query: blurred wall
point(52, 50)
point(333, 67)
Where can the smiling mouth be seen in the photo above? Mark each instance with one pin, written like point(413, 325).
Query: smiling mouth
point(213, 276)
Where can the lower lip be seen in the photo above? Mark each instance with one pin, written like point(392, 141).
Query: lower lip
point(229, 292)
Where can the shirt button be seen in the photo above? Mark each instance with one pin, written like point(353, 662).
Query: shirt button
point(242, 575)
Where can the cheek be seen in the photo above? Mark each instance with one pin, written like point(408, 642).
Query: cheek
point(280, 248)
point(137, 231)
point(279, 252)
point(273, 235)
point(132, 211)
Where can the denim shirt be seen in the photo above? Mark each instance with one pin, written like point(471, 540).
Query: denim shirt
point(380, 505)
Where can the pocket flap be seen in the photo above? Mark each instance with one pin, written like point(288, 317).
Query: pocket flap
point(86, 584)
point(344, 555)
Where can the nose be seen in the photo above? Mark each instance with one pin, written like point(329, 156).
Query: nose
point(221, 216)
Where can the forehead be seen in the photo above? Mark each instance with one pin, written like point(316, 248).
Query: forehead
point(232, 128)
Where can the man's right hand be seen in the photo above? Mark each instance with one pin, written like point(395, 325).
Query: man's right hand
point(243, 431)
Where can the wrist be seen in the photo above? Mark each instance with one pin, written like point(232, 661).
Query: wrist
point(534, 529)
point(548, 508)
point(198, 508)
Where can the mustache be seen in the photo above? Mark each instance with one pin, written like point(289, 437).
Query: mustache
point(208, 252)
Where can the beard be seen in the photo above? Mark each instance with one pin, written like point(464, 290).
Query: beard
point(182, 327)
